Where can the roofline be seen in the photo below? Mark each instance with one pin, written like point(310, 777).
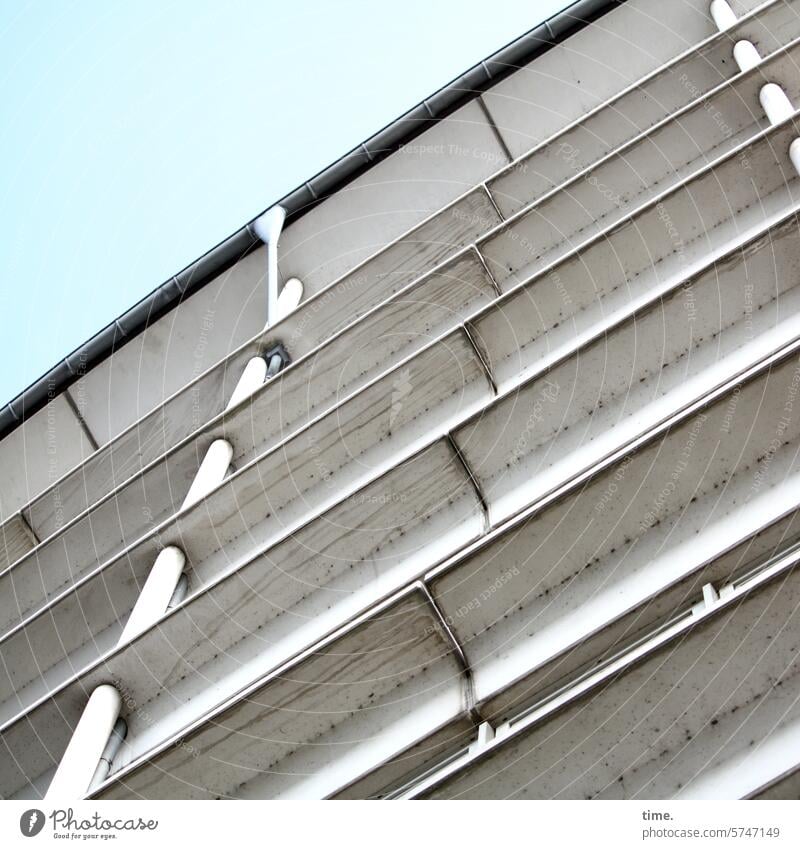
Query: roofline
point(305, 197)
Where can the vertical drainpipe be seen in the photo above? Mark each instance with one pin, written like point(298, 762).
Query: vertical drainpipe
point(253, 376)
point(159, 588)
point(775, 103)
point(268, 228)
point(100, 731)
point(99, 734)
point(156, 593)
point(746, 55)
point(84, 751)
point(211, 473)
point(167, 576)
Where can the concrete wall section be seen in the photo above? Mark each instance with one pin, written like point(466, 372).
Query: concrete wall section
point(594, 64)
point(37, 454)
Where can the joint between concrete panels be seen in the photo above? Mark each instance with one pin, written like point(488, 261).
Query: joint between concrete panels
point(469, 683)
point(485, 266)
point(81, 421)
point(495, 207)
point(496, 132)
point(468, 472)
point(479, 355)
point(28, 528)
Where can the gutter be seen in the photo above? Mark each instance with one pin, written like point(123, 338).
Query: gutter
point(227, 253)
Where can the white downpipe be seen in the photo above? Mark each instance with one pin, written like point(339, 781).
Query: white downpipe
point(156, 593)
point(159, 588)
point(745, 55)
point(722, 14)
point(289, 298)
point(268, 228)
point(794, 154)
point(253, 377)
point(211, 473)
point(84, 750)
point(775, 102)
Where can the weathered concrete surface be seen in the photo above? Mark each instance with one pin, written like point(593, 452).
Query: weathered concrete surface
point(597, 63)
point(636, 109)
point(256, 507)
point(295, 739)
point(305, 391)
point(701, 706)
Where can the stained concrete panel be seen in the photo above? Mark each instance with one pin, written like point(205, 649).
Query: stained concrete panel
point(392, 197)
point(39, 452)
point(594, 65)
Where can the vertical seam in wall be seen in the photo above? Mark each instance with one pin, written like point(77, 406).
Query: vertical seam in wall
point(81, 421)
point(490, 119)
point(458, 651)
point(479, 355)
point(26, 526)
point(468, 472)
point(493, 202)
point(488, 271)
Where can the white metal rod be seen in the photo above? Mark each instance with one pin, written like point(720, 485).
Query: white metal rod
point(268, 228)
point(272, 282)
point(74, 774)
point(794, 154)
point(156, 592)
point(211, 473)
point(722, 14)
point(253, 376)
point(775, 102)
point(745, 55)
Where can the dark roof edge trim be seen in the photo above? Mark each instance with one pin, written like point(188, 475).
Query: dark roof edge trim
point(227, 253)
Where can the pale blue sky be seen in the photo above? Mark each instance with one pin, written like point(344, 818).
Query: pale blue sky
point(134, 136)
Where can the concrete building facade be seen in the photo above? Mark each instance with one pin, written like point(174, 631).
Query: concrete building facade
point(465, 471)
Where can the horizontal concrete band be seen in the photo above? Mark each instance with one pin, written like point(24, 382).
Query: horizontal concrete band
point(785, 786)
point(681, 745)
